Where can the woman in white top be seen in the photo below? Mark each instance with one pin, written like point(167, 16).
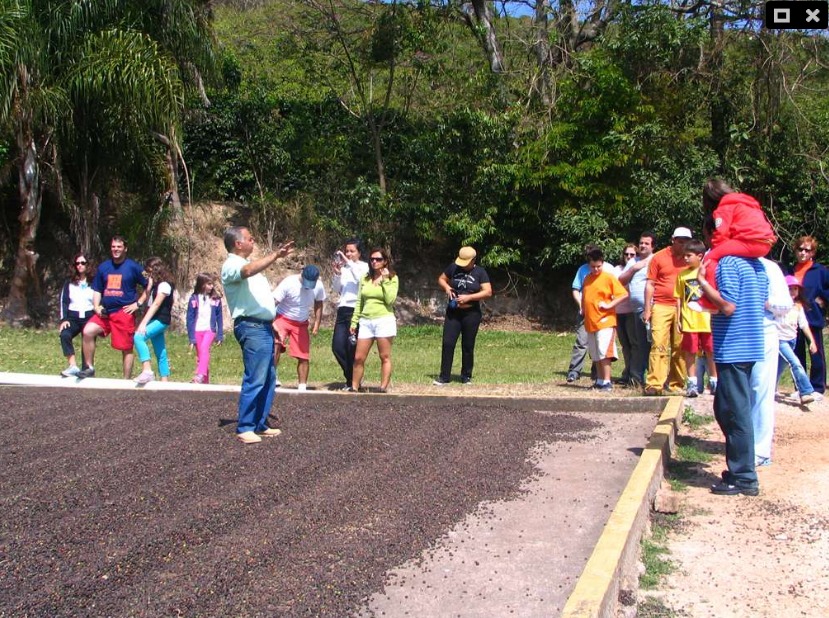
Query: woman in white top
point(75, 309)
point(348, 270)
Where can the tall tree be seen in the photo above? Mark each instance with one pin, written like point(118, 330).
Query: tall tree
point(64, 64)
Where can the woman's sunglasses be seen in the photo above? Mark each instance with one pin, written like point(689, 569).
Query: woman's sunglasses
point(80, 263)
point(630, 255)
point(375, 259)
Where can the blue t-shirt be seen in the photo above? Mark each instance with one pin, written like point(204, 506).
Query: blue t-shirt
point(739, 338)
point(117, 284)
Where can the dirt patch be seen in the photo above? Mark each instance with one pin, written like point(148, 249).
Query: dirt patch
point(144, 504)
point(761, 557)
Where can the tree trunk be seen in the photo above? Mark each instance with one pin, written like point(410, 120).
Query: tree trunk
point(171, 165)
point(541, 46)
point(484, 29)
point(17, 310)
point(719, 106)
point(378, 152)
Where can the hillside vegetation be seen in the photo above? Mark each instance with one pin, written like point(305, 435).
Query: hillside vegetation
point(417, 125)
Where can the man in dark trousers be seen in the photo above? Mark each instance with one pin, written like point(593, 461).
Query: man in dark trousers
point(737, 327)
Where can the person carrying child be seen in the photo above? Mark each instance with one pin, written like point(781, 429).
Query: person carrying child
point(787, 326)
point(204, 323)
point(155, 322)
point(601, 293)
point(695, 326)
point(740, 228)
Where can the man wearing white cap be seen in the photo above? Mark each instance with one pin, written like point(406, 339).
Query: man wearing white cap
point(665, 361)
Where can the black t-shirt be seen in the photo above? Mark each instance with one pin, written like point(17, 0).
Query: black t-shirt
point(464, 282)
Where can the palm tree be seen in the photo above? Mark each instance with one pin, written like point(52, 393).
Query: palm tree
point(91, 78)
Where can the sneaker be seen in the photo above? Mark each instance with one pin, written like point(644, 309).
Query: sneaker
point(712, 389)
point(727, 489)
point(692, 392)
point(794, 397)
point(248, 437)
point(605, 388)
point(70, 371)
point(817, 396)
point(440, 382)
point(198, 379)
point(89, 372)
point(761, 462)
point(144, 377)
point(347, 387)
point(652, 391)
point(572, 377)
point(466, 381)
point(807, 399)
point(302, 387)
point(270, 432)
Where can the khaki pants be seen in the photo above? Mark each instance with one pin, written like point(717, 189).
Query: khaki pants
point(665, 361)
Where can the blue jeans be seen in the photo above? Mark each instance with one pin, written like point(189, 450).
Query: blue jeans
point(732, 409)
point(155, 333)
point(801, 380)
point(817, 367)
point(259, 379)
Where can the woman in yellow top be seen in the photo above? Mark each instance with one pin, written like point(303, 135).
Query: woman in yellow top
point(373, 317)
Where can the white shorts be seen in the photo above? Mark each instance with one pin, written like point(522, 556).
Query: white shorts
point(602, 344)
point(375, 328)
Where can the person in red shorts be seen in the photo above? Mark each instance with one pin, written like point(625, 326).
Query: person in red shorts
point(695, 325)
point(115, 300)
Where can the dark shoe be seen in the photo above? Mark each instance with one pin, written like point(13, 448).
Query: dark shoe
point(466, 381)
point(726, 489)
point(692, 392)
point(572, 377)
point(652, 391)
point(87, 372)
point(605, 388)
point(440, 382)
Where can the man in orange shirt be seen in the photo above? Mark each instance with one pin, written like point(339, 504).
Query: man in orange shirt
point(665, 361)
point(600, 295)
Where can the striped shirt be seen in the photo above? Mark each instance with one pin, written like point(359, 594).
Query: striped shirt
point(739, 338)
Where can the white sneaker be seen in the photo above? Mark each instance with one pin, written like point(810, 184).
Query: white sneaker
point(302, 387)
point(817, 396)
point(144, 377)
point(71, 371)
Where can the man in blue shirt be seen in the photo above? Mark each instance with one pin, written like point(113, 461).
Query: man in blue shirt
point(737, 327)
point(115, 300)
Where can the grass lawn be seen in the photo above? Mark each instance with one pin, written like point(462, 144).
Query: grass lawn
point(500, 357)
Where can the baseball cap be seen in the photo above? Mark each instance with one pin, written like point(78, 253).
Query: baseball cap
point(310, 274)
point(465, 255)
point(682, 232)
point(790, 281)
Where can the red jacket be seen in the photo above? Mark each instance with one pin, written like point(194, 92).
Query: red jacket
point(739, 216)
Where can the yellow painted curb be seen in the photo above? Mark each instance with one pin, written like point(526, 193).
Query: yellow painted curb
point(615, 555)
